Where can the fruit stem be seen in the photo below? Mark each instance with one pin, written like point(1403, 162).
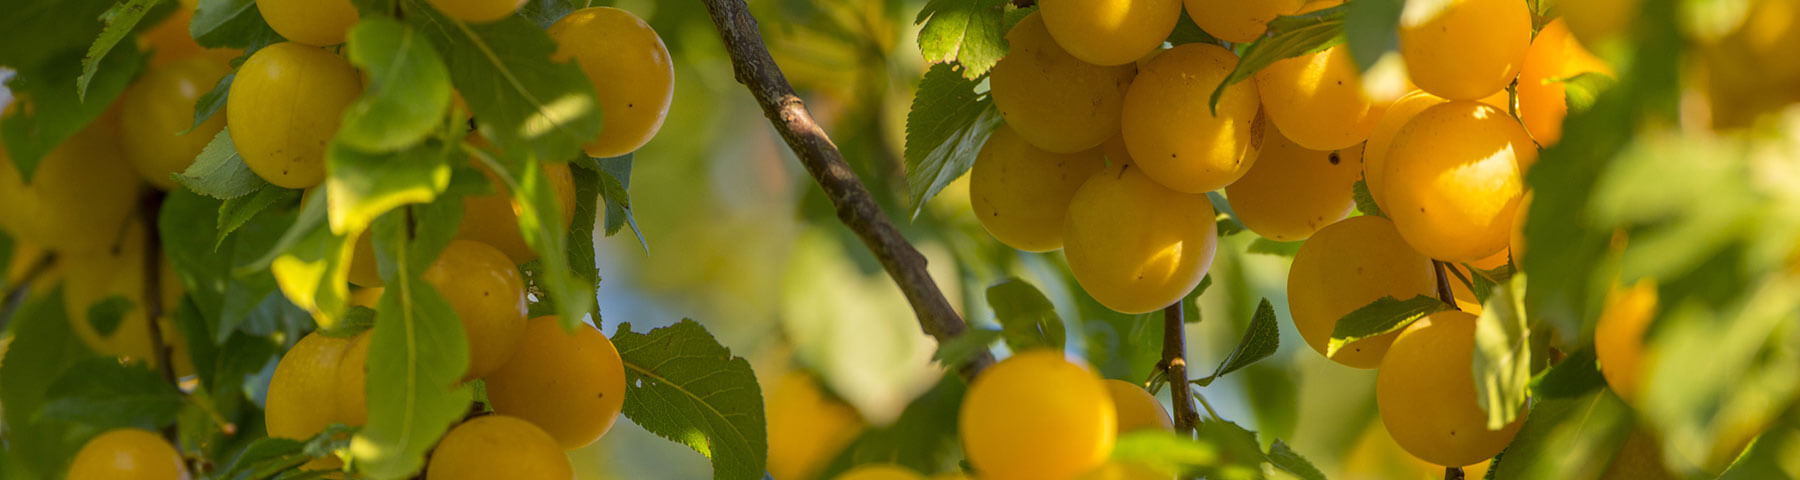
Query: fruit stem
point(15, 294)
point(855, 206)
point(1174, 363)
point(1443, 286)
point(1453, 473)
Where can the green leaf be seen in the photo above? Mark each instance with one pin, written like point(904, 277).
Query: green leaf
point(42, 349)
point(1372, 29)
point(582, 255)
point(101, 391)
point(119, 20)
point(615, 179)
point(1576, 375)
point(1190, 304)
point(1270, 247)
point(106, 314)
point(365, 185)
point(417, 356)
point(1289, 36)
point(53, 111)
point(408, 91)
point(219, 172)
point(234, 213)
point(1502, 364)
point(1286, 459)
point(964, 347)
point(1582, 90)
point(1771, 456)
point(968, 32)
point(206, 258)
point(923, 438)
point(262, 451)
point(1365, 201)
point(526, 104)
point(1563, 437)
point(1241, 455)
point(1383, 316)
point(683, 386)
point(310, 264)
point(230, 24)
point(1261, 340)
point(36, 30)
point(1186, 31)
point(1166, 452)
point(535, 201)
point(1026, 317)
point(947, 126)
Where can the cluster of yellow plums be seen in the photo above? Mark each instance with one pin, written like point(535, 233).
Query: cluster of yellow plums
point(549, 388)
point(1109, 147)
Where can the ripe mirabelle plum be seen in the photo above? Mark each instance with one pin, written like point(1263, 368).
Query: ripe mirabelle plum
point(352, 381)
point(127, 453)
point(498, 446)
point(159, 108)
point(477, 11)
point(1021, 193)
point(92, 277)
point(284, 106)
point(1110, 32)
point(571, 384)
point(806, 428)
point(631, 71)
point(1052, 99)
point(1238, 21)
point(1374, 456)
point(1543, 101)
point(1293, 191)
point(1425, 391)
point(313, 22)
point(493, 219)
point(303, 395)
point(1012, 430)
point(1619, 336)
point(1317, 100)
point(1382, 137)
point(1173, 136)
point(1453, 181)
point(1345, 266)
point(879, 472)
point(78, 197)
point(488, 294)
point(364, 269)
point(1134, 245)
point(1465, 49)
point(1136, 409)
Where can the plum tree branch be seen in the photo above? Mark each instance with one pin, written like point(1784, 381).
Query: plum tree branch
point(1443, 285)
point(1174, 366)
point(856, 208)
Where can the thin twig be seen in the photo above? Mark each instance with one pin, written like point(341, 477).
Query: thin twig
point(855, 207)
point(1174, 362)
point(148, 208)
point(15, 294)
